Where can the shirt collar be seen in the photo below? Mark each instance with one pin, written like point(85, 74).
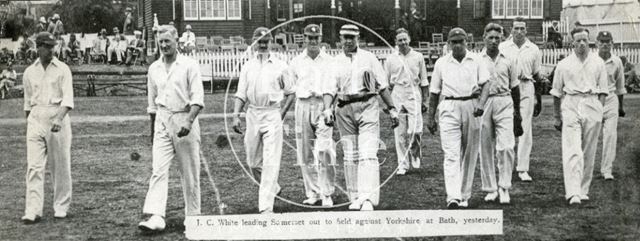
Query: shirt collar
point(54, 62)
point(322, 54)
point(408, 53)
point(485, 54)
point(526, 44)
point(468, 55)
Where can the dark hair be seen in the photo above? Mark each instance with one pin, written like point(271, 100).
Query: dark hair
point(494, 27)
point(579, 30)
point(518, 19)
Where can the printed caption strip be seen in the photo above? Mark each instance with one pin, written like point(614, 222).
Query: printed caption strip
point(332, 225)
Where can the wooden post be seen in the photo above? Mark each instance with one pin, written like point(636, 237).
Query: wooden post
point(333, 23)
point(396, 17)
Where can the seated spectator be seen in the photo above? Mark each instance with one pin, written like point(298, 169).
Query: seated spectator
point(117, 45)
point(136, 47)
point(100, 44)
point(27, 51)
point(7, 79)
point(57, 50)
point(73, 47)
point(55, 25)
point(189, 40)
point(42, 25)
point(631, 79)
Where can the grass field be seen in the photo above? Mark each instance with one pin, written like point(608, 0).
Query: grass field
point(109, 188)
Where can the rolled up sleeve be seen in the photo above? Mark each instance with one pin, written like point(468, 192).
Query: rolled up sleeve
point(67, 89)
point(424, 80)
point(378, 71)
point(196, 91)
point(436, 79)
point(483, 73)
point(241, 92)
point(26, 82)
point(558, 83)
point(620, 88)
point(152, 92)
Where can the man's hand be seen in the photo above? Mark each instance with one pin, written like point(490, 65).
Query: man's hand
point(621, 112)
point(425, 107)
point(236, 124)
point(478, 112)
point(395, 122)
point(558, 124)
point(431, 125)
point(329, 118)
point(56, 125)
point(517, 125)
point(185, 129)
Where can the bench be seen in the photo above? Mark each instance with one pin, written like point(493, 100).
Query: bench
point(92, 82)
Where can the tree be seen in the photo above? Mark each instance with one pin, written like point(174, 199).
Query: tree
point(89, 16)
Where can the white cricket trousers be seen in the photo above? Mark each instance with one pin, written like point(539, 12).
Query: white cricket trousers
point(581, 123)
point(186, 150)
point(359, 127)
point(408, 134)
point(42, 146)
point(315, 151)
point(498, 139)
point(460, 137)
point(609, 133)
point(263, 145)
point(525, 142)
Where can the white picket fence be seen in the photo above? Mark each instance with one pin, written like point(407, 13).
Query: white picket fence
point(227, 64)
point(563, 27)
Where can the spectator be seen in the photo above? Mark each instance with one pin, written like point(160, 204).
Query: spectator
point(60, 43)
point(7, 79)
point(27, 51)
point(136, 47)
point(128, 22)
point(100, 44)
point(42, 25)
point(117, 45)
point(554, 36)
point(631, 79)
point(73, 47)
point(56, 26)
point(189, 40)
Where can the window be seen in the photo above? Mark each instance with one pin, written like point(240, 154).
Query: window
point(517, 8)
point(234, 9)
point(191, 9)
point(212, 9)
point(282, 10)
point(297, 8)
point(478, 8)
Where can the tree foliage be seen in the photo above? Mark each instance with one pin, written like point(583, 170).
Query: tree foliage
point(89, 16)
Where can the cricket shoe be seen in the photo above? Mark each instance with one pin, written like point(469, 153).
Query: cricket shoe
point(492, 196)
point(311, 201)
point(504, 196)
point(464, 203)
point(584, 197)
point(327, 201)
point(575, 200)
point(30, 219)
point(366, 206)
point(154, 224)
point(453, 204)
point(415, 162)
point(401, 172)
point(524, 176)
point(608, 176)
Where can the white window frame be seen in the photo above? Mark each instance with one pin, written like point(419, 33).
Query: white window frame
point(286, 13)
point(506, 15)
point(239, 17)
point(184, 10)
point(225, 12)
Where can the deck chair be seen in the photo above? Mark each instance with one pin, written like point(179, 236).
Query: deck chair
point(437, 38)
point(214, 43)
point(298, 39)
point(201, 43)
